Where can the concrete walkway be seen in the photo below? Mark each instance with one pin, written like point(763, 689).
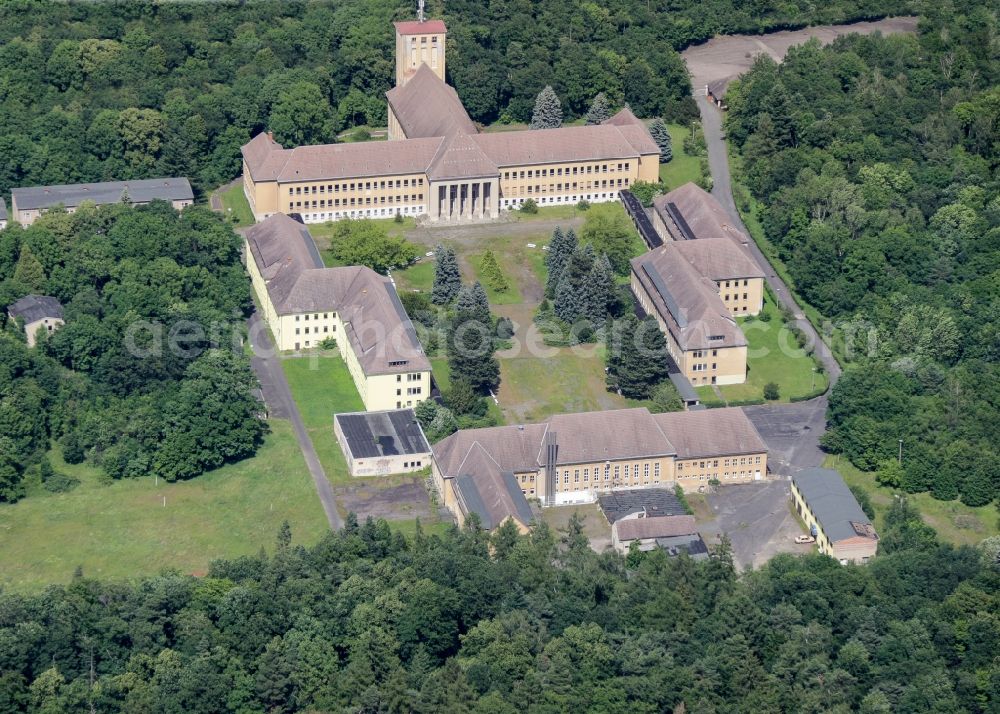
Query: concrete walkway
point(266, 364)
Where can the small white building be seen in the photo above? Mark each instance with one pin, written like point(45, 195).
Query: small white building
point(37, 312)
point(648, 530)
point(381, 443)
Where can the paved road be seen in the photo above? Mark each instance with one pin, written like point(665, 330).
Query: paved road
point(792, 431)
point(267, 366)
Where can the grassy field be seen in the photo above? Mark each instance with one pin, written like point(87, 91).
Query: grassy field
point(682, 167)
point(321, 232)
point(123, 530)
point(954, 521)
point(322, 386)
point(550, 213)
point(510, 296)
point(772, 356)
point(234, 203)
point(419, 277)
point(534, 388)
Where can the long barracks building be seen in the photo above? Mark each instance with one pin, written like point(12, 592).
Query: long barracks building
point(437, 164)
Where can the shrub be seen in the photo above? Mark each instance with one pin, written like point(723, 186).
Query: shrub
point(529, 206)
point(328, 343)
point(583, 205)
point(73, 452)
point(505, 328)
point(764, 316)
point(54, 481)
point(771, 391)
point(398, 218)
point(679, 492)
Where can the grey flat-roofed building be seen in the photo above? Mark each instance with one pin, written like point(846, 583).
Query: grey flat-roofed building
point(382, 442)
point(27, 204)
point(36, 312)
point(833, 515)
point(651, 501)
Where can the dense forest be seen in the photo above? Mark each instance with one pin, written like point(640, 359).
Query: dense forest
point(144, 377)
point(368, 621)
point(132, 89)
point(876, 162)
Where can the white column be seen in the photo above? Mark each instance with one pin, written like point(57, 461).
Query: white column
point(467, 208)
point(482, 199)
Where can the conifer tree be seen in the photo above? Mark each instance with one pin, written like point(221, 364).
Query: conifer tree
point(447, 280)
point(637, 357)
point(561, 248)
point(492, 274)
point(600, 110)
point(569, 302)
point(658, 130)
point(548, 110)
point(472, 304)
point(600, 289)
point(29, 271)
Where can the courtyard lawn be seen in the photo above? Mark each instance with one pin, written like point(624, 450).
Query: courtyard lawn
point(550, 213)
point(954, 521)
point(772, 356)
point(321, 232)
point(533, 388)
point(418, 277)
point(123, 530)
point(510, 296)
point(683, 167)
point(234, 203)
point(322, 386)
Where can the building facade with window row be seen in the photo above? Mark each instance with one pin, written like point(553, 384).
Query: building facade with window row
point(436, 163)
point(305, 303)
point(574, 458)
point(697, 284)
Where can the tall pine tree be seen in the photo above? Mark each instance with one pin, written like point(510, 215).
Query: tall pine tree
point(658, 130)
point(600, 110)
point(548, 112)
point(447, 280)
point(637, 357)
point(561, 248)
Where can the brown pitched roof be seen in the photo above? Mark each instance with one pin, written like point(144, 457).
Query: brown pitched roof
point(461, 157)
point(414, 27)
point(486, 489)
point(543, 146)
point(427, 107)
point(514, 448)
point(655, 527)
point(711, 432)
point(609, 435)
point(375, 323)
point(688, 302)
point(371, 158)
point(286, 255)
point(719, 258)
point(264, 157)
point(635, 131)
point(701, 211)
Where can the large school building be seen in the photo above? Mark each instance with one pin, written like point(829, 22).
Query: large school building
point(575, 458)
point(436, 163)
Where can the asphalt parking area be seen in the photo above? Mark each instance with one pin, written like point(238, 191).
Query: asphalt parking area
point(791, 432)
point(758, 520)
point(370, 497)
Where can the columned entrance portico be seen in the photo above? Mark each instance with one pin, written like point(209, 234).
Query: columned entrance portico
point(464, 200)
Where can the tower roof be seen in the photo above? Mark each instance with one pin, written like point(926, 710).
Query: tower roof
point(415, 27)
